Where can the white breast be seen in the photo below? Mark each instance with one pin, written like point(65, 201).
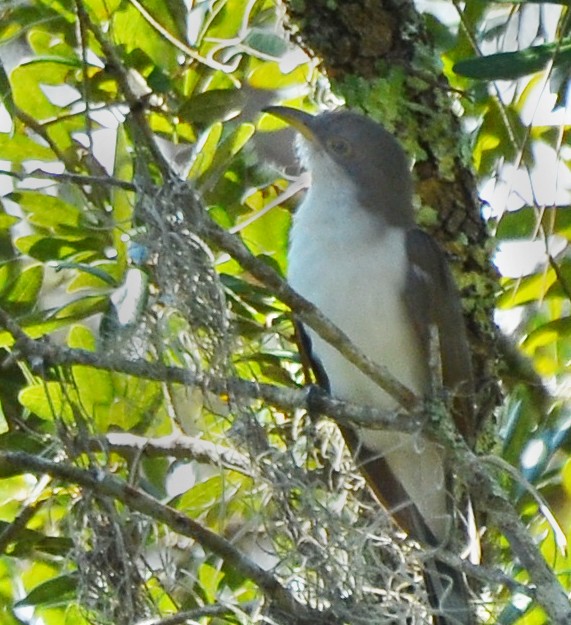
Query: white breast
point(350, 266)
point(342, 261)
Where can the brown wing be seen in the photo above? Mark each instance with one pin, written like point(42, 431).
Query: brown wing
point(431, 297)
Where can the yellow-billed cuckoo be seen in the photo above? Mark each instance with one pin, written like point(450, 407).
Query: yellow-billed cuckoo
point(356, 253)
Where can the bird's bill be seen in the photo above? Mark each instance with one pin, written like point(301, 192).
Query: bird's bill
point(300, 120)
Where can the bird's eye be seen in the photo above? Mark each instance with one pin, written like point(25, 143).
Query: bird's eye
point(340, 146)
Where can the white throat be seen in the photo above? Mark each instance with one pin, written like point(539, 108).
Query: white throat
point(353, 266)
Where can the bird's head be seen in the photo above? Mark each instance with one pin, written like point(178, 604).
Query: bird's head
point(343, 146)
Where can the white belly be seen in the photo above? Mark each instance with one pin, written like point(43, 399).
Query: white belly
point(355, 273)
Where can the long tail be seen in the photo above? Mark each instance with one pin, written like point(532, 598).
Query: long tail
point(446, 587)
point(447, 594)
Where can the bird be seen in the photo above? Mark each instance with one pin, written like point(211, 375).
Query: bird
point(356, 253)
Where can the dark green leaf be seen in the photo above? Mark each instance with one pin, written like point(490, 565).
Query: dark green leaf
point(47, 211)
point(56, 591)
point(159, 82)
point(27, 541)
point(212, 106)
point(56, 248)
point(512, 65)
point(525, 222)
point(267, 43)
point(22, 295)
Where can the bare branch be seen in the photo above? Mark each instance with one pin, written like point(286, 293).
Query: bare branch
point(490, 497)
point(43, 353)
point(177, 446)
point(81, 179)
point(198, 613)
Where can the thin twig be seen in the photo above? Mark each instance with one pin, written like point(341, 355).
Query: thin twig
point(132, 99)
point(177, 446)
point(18, 525)
point(198, 613)
point(69, 177)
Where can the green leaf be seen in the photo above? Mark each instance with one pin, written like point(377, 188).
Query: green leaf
point(266, 42)
point(103, 9)
point(7, 221)
point(136, 32)
point(547, 333)
point(27, 81)
point(541, 286)
point(20, 148)
point(495, 137)
point(96, 275)
point(28, 541)
point(46, 46)
point(4, 427)
point(56, 591)
point(81, 337)
point(225, 152)
point(270, 76)
point(47, 401)
point(18, 19)
point(212, 106)
point(268, 235)
point(47, 211)
point(205, 155)
point(94, 387)
point(159, 82)
point(201, 497)
point(82, 307)
point(210, 578)
point(525, 222)
point(135, 404)
point(512, 65)
point(39, 323)
point(23, 294)
point(46, 248)
point(529, 289)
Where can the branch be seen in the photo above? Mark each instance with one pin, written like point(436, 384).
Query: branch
point(103, 484)
point(177, 446)
point(133, 100)
point(42, 353)
point(198, 613)
point(484, 489)
point(69, 177)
